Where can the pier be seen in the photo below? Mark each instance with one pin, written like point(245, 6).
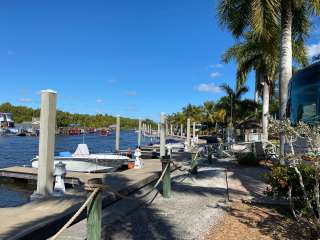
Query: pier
point(42, 218)
point(47, 213)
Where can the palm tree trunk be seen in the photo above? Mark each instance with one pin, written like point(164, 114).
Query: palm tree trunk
point(256, 92)
point(265, 109)
point(285, 62)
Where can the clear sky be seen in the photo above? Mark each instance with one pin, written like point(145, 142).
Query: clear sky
point(133, 58)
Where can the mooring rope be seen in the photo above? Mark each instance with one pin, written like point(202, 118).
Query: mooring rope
point(71, 220)
point(117, 193)
point(96, 188)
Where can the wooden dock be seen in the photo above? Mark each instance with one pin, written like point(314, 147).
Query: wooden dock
point(42, 218)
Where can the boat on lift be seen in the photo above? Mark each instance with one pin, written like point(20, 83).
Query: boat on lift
point(84, 161)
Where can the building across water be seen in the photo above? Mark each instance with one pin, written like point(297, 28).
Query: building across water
point(304, 96)
point(6, 120)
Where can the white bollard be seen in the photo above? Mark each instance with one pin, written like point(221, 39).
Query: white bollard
point(118, 134)
point(46, 143)
point(162, 135)
point(138, 161)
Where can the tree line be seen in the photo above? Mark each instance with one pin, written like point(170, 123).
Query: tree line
point(228, 110)
point(65, 119)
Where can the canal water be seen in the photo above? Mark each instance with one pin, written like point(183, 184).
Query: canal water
point(18, 151)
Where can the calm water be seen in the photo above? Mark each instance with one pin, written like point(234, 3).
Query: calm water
point(18, 151)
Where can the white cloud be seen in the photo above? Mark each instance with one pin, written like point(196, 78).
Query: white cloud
point(313, 50)
point(99, 101)
point(25, 100)
point(208, 87)
point(131, 93)
point(217, 65)
point(215, 74)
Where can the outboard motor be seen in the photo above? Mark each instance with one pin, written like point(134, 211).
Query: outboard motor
point(59, 173)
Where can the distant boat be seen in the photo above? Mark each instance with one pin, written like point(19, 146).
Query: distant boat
point(21, 134)
point(104, 132)
point(172, 145)
point(82, 161)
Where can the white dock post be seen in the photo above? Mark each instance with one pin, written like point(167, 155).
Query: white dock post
point(46, 143)
point(171, 130)
point(162, 135)
point(188, 132)
point(194, 130)
point(181, 129)
point(118, 134)
point(139, 133)
point(159, 130)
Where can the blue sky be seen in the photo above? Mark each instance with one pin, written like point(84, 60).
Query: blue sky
point(133, 58)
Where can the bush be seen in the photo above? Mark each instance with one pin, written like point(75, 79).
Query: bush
point(248, 159)
point(281, 177)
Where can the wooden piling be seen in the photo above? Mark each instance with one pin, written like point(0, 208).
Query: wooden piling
point(162, 135)
point(139, 133)
point(194, 129)
point(167, 129)
point(166, 181)
point(188, 133)
point(46, 143)
point(94, 217)
point(117, 148)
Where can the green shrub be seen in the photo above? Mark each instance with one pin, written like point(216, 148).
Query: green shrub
point(248, 159)
point(281, 177)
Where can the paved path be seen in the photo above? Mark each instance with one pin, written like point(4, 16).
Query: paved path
point(197, 203)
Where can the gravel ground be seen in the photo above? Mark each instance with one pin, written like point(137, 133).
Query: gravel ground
point(245, 221)
point(196, 204)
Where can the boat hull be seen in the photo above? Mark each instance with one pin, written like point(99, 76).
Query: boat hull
point(90, 163)
point(79, 166)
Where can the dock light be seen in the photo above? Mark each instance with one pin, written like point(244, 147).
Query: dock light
point(59, 173)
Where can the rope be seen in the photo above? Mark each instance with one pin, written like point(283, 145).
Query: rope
point(132, 198)
point(71, 220)
point(98, 187)
point(180, 167)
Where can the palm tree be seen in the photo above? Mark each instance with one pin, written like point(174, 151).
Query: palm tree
point(193, 112)
point(260, 55)
point(290, 17)
point(234, 104)
point(256, 54)
point(212, 115)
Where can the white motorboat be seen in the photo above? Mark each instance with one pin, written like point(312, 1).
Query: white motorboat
point(175, 147)
point(82, 161)
point(240, 147)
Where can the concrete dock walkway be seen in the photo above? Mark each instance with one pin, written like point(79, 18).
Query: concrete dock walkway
point(32, 220)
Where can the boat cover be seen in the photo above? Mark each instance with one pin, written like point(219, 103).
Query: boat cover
point(82, 149)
